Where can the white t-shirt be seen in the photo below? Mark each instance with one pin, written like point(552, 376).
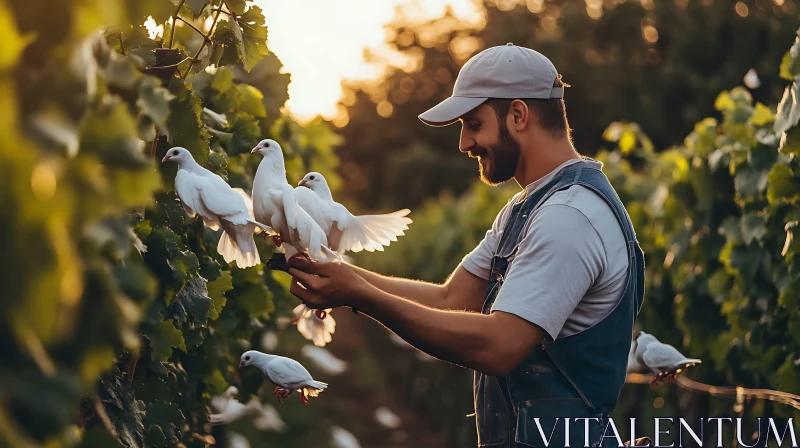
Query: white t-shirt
point(571, 267)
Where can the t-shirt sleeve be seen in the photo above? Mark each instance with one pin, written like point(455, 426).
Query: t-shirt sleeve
point(558, 260)
point(479, 261)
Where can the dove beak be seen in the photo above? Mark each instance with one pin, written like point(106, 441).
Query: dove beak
point(255, 150)
point(241, 365)
point(302, 183)
point(165, 159)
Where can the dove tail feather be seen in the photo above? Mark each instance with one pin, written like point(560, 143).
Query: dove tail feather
point(240, 247)
point(313, 388)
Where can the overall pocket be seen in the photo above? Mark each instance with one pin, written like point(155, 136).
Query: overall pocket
point(557, 426)
point(491, 412)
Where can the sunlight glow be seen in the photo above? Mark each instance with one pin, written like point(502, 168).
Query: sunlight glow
point(322, 42)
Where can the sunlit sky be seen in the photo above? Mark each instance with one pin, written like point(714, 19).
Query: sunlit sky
point(321, 42)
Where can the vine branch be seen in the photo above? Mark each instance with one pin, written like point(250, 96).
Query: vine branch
point(155, 144)
point(724, 391)
point(191, 26)
point(206, 40)
point(174, 22)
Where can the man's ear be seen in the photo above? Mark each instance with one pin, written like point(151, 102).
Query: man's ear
point(520, 115)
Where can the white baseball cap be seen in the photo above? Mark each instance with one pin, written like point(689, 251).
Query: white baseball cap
point(506, 71)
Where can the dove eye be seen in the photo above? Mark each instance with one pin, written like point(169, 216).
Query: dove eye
point(312, 177)
point(175, 153)
point(247, 358)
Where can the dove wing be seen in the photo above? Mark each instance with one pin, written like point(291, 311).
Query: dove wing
point(661, 356)
point(289, 204)
point(370, 232)
point(320, 212)
point(288, 373)
point(186, 187)
point(219, 198)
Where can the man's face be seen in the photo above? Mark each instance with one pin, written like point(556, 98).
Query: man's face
point(491, 143)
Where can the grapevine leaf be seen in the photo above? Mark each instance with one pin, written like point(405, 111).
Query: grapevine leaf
point(196, 6)
point(162, 340)
point(217, 290)
point(154, 100)
point(192, 302)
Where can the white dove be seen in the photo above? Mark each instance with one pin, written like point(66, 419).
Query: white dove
point(274, 203)
point(662, 359)
point(344, 230)
point(205, 193)
point(228, 409)
point(285, 373)
point(319, 329)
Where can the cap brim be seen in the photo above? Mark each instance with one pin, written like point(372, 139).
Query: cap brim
point(450, 110)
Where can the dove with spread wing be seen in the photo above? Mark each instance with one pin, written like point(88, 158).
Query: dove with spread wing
point(345, 231)
point(664, 360)
point(274, 203)
point(286, 374)
point(206, 194)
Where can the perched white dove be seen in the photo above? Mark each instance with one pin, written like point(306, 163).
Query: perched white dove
point(342, 438)
point(345, 231)
point(662, 359)
point(319, 329)
point(285, 373)
point(275, 204)
point(206, 194)
point(324, 359)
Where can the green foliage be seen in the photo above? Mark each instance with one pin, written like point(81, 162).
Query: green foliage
point(118, 308)
point(719, 242)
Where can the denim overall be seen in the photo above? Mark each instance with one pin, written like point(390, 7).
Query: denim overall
point(578, 376)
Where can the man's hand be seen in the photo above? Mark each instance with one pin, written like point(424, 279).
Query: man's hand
point(326, 285)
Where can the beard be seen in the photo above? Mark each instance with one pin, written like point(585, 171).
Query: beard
point(499, 164)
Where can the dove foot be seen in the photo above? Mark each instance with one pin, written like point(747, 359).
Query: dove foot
point(320, 314)
point(278, 263)
point(656, 381)
point(277, 240)
point(304, 399)
point(281, 394)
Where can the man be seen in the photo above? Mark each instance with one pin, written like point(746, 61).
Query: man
point(543, 309)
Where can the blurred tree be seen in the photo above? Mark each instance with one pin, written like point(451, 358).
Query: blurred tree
point(657, 62)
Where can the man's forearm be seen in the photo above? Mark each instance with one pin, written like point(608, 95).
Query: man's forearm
point(429, 294)
point(458, 337)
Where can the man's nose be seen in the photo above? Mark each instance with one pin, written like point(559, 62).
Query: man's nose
point(465, 143)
